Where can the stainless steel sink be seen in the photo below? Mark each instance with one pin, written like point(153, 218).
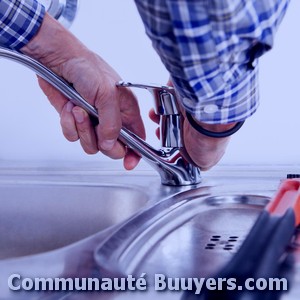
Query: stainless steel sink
point(116, 222)
point(210, 229)
point(40, 217)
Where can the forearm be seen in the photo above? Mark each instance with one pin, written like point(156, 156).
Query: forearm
point(53, 45)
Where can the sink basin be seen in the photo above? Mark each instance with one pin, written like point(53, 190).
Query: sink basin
point(39, 217)
point(210, 230)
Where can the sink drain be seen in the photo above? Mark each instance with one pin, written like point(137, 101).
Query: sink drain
point(223, 242)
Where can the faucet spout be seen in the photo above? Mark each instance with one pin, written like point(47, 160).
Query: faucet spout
point(169, 162)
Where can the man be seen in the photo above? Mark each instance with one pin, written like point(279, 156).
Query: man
point(210, 49)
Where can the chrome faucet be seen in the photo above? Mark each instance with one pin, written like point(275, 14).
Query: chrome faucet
point(173, 167)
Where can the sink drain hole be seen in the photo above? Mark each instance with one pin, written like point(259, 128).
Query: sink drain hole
point(222, 242)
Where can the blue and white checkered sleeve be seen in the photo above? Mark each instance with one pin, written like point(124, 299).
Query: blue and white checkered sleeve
point(211, 48)
point(19, 22)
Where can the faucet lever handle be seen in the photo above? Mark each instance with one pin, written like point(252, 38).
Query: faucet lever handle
point(164, 97)
point(167, 107)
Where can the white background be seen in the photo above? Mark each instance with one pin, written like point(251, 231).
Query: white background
point(29, 126)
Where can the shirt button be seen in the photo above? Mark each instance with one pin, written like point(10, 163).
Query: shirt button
point(211, 108)
point(187, 101)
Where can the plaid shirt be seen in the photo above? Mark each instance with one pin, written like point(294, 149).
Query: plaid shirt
point(19, 22)
point(210, 48)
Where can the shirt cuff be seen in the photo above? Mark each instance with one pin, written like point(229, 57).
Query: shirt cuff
point(234, 102)
point(19, 22)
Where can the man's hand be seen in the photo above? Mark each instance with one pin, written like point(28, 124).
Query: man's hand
point(95, 80)
point(203, 150)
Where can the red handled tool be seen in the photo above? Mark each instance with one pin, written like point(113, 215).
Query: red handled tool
point(287, 197)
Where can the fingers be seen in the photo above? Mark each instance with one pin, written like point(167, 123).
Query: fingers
point(109, 128)
point(76, 125)
point(131, 119)
point(74, 121)
point(57, 99)
point(156, 119)
point(130, 112)
point(131, 160)
point(153, 116)
point(109, 123)
point(117, 152)
point(85, 130)
point(68, 124)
